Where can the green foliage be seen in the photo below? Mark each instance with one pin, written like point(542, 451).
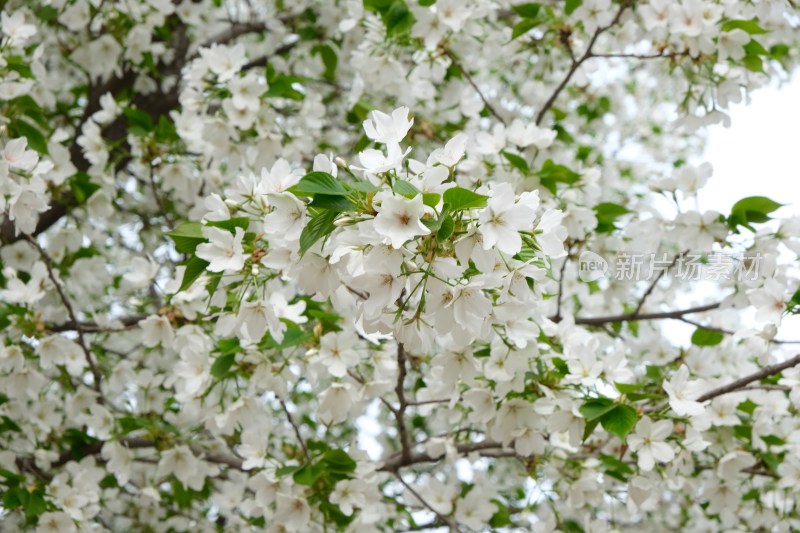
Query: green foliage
point(616, 418)
point(319, 182)
point(459, 199)
point(395, 14)
point(750, 26)
point(517, 162)
point(187, 236)
point(551, 174)
point(706, 337)
point(754, 209)
point(320, 225)
point(607, 213)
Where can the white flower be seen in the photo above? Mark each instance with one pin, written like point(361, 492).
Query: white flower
point(648, 442)
point(734, 462)
point(224, 252)
point(399, 218)
point(14, 26)
point(143, 270)
point(452, 152)
point(287, 219)
point(680, 389)
point(769, 301)
point(16, 155)
point(156, 330)
point(375, 161)
point(349, 493)
point(503, 219)
point(337, 352)
point(335, 403)
point(388, 129)
point(181, 462)
point(524, 136)
point(475, 509)
point(57, 521)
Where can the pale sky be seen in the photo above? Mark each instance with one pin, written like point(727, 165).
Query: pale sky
point(759, 155)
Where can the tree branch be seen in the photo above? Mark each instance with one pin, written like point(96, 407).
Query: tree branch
point(745, 381)
point(48, 262)
point(396, 461)
point(634, 317)
point(576, 63)
point(474, 85)
point(296, 430)
point(446, 519)
point(652, 286)
point(400, 412)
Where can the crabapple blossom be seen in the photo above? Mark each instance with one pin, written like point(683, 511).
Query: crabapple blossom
point(357, 266)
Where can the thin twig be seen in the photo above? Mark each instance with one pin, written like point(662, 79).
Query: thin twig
point(400, 412)
point(474, 85)
point(652, 286)
point(634, 317)
point(296, 430)
point(48, 262)
point(561, 285)
point(745, 381)
point(394, 462)
point(446, 519)
point(576, 63)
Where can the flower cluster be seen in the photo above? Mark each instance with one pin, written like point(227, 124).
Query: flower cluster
point(315, 266)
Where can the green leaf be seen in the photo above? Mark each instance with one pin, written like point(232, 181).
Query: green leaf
point(748, 406)
point(627, 388)
point(365, 187)
point(750, 26)
point(772, 440)
point(194, 268)
point(139, 122)
point(230, 224)
point(82, 187)
point(458, 199)
point(431, 199)
point(753, 209)
point(530, 10)
point(426, 3)
point(23, 128)
point(330, 201)
point(596, 407)
point(282, 86)
point(522, 27)
point(329, 59)
point(706, 337)
point(446, 228)
point(339, 461)
point(755, 48)
point(753, 63)
point(47, 13)
point(502, 517)
point(318, 227)
point(222, 365)
point(318, 182)
point(404, 188)
point(187, 236)
point(572, 5)
point(398, 18)
point(552, 173)
point(620, 420)
point(793, 305)
point(607, 213)
point(309, 474)
point(517, 162)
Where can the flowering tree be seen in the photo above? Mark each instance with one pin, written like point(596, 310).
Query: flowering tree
point(389, 265)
